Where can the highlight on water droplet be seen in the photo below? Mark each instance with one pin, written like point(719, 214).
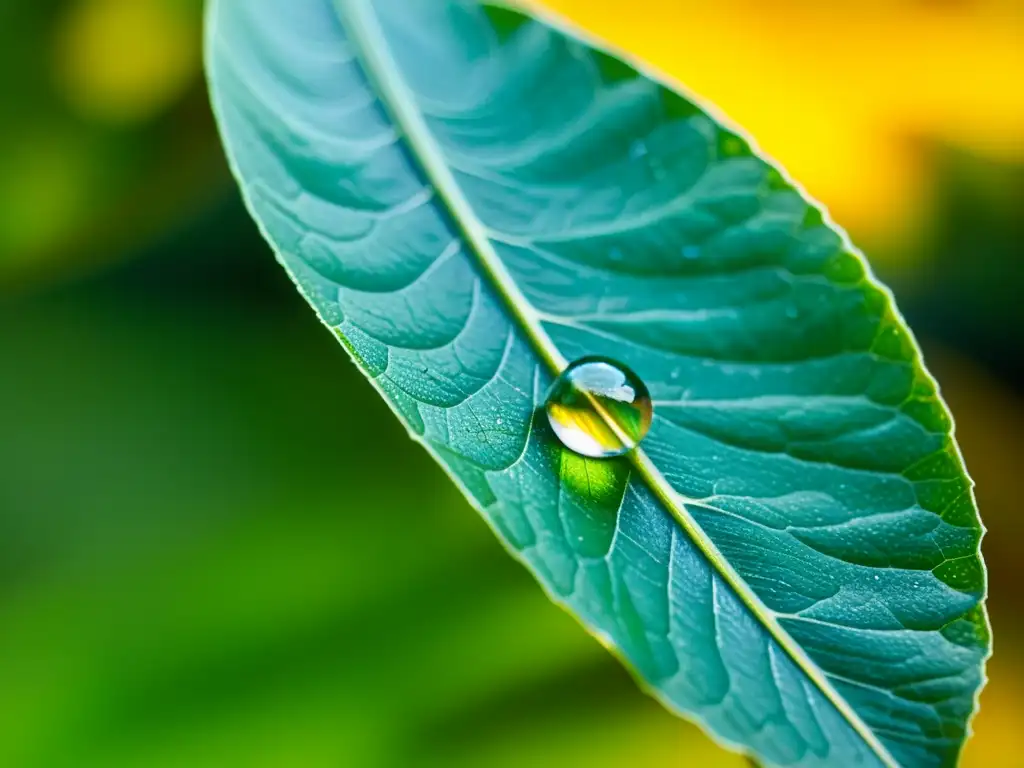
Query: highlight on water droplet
point(599, 408)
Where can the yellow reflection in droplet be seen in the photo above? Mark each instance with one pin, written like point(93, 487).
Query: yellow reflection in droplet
point(599, 408)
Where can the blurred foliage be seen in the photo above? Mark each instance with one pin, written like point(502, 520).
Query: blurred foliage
point(193, 574)
point(107, 139)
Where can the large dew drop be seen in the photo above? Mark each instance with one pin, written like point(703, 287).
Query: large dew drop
point(599, 408)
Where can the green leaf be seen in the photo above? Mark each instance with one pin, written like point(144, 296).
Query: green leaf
point(470, 198)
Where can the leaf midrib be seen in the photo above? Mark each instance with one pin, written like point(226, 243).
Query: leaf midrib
point(373, 51)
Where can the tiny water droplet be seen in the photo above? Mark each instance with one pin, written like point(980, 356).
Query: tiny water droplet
point(498, 422)
point(599, 408)
point(691, 252)
point(674, 375)
point(637, 149)
point(615, 254)
point(792, 313)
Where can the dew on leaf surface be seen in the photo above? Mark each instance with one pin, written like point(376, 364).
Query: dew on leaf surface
point(599, 408)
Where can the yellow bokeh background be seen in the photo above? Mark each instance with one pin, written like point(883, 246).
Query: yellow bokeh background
point(840, 93)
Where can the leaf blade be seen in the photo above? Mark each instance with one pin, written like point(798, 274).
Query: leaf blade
point(446, 402)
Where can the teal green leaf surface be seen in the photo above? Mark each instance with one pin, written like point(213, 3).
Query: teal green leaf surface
point(471, 198)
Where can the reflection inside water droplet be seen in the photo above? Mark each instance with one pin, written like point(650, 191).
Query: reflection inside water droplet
point(637, 149)
point(599, 408)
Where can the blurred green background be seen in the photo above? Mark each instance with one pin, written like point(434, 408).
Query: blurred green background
point(217, 547)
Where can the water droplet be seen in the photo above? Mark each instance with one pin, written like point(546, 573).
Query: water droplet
point(792, 313)
point(498, 421)
point(691, 252)
point(615, 254)
point(637, 149)
point(599, 408)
